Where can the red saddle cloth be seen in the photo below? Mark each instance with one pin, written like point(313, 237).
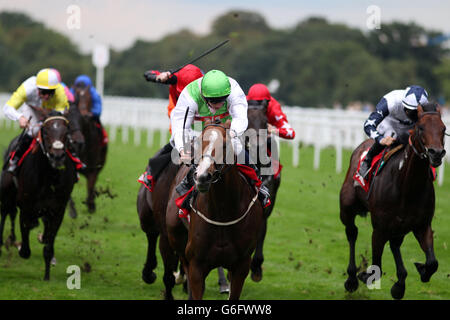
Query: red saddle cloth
point(245, 170)
point(150, 178)
point(365, 183)
point(374, 170)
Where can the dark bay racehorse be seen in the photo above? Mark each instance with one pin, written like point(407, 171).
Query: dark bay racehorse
point(45, 181)
point(225, 217)
point(93, 154)
point(257, 120)
point(151, 207)
point(402, 199)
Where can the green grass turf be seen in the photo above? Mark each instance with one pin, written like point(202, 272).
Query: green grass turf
point(306, 251)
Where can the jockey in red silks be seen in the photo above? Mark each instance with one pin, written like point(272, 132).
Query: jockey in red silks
point(277, 120)
point(177, 81)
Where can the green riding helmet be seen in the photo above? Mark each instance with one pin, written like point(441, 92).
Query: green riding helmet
point(215, 84)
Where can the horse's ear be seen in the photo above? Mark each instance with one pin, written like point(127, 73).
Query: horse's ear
point(438, 109)
point(228, 124)
point(419, 110)
point(208, 122)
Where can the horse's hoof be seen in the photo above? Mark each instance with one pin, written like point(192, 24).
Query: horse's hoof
point(224, 288)
point(168, 296)
point(91, 207)
point(179, 279)
point(351, 284)
point(256, 276)
point(363, 277)
point(24, 253)
point(398, 291)
point(148, 277)
point(72, 213)
point(426, 271)
point(53, 261)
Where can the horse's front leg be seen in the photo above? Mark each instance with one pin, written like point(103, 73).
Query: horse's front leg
point(425, 239)
point(258, 257)
point(238, 275)
point(398, 289)
point(51, 226)
point(25, 226)
point(378, 242)
point(196, 275)
point(224, 287)
point(90, 200)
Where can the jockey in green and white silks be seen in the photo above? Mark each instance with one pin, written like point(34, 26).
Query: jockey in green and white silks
point(214, 96)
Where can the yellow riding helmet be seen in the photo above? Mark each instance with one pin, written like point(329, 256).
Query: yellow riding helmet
point(47, 79)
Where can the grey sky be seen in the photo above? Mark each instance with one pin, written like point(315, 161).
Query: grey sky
point(119, 23)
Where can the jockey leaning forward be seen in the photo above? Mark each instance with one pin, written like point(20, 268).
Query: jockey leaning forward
point(394, 116)
point(38, 94)
point(214, 96)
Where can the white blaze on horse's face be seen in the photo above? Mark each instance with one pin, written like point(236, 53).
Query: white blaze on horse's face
point(207, 158)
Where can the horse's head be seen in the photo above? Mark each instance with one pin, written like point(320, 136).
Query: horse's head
point(427, 137)
point(54, 134)
point(211, 154)
point(257, 114)
point(83, 99)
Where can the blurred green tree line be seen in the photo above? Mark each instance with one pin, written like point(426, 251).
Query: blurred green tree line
point(317, 63)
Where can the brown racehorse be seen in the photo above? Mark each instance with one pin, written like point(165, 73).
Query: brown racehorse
point(93, 154)
point(151, 207)
point(257, 120)
point(225, 217)
point(402, 199)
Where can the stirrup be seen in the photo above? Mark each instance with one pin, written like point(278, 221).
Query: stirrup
point(364, 169)
point(183, 187)
point(12, 166)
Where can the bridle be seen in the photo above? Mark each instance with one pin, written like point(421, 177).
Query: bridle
point(219, 169)
point(417, 136)
point(56, 144)
point(217, 175)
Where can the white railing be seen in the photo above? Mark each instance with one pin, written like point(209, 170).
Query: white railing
point(321, 128)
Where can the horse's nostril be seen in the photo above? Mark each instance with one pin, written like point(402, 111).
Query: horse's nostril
point(204, 178)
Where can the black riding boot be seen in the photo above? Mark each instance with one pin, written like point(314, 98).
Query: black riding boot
point(263, 194)
point(188, 181)
point(365, 165)
point(23, 145)
point(156, 164)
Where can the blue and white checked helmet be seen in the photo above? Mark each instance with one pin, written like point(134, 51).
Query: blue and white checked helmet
point(414, 96)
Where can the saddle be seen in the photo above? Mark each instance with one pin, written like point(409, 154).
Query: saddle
point(376, 166)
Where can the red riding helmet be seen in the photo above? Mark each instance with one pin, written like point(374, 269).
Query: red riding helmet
point(258, 92)
point(186, 75)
